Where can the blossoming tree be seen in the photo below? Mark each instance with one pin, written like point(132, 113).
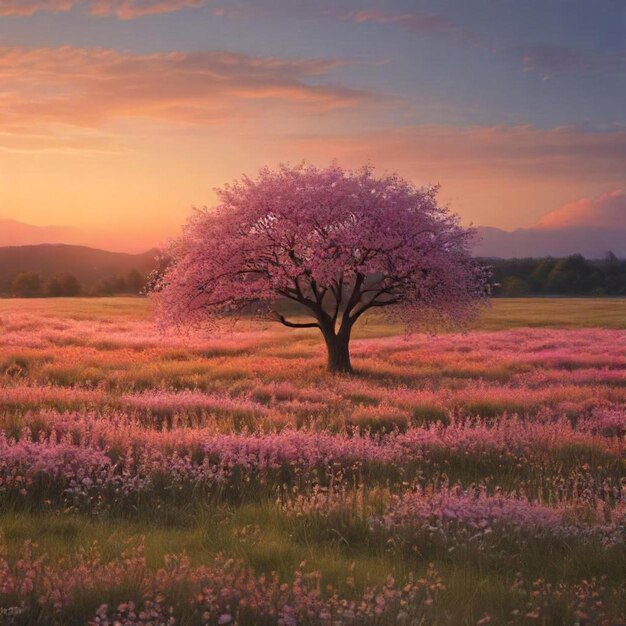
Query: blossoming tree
point(336, 243)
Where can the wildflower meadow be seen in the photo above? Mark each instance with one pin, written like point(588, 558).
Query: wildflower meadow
point(226, 477)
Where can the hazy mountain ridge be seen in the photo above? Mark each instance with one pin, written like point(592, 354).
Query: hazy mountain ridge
point(589, 226)
point(87, 264)
point(536, 242)
point(16, 233)
point(53, 250)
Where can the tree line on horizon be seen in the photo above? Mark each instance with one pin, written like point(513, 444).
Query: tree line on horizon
point(573, 275)
point(66, 285)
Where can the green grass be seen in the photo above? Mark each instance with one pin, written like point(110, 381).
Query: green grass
point(502, 313)
point(81, 308)
point(477, 583)
point(553, 313)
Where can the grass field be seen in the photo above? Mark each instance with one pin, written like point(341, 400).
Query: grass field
point(457, 479)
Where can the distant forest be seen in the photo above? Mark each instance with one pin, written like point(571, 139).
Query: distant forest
point(32, 285)
point(570, 276)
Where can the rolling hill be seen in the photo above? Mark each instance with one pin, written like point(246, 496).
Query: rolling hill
point(87, 264)
point(589, 226)
point(16, 233)
point(592, 243)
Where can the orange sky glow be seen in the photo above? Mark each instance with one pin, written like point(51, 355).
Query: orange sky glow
point(119, 116)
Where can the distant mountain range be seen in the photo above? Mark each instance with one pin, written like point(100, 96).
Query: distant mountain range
point(16, 233)
point(590, 226)
point(537, 242)
point(592, 243)
point(88, 264)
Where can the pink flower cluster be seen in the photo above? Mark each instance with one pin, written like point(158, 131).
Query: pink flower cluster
point(27, 397)
point(74, 468)
point(483, 513)
point(443, 512)
point(610, 422)
point(224, 592)
point(83, 455)
point(188, 401)
point(508, 434)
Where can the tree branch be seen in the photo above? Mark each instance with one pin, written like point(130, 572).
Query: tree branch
point(281, 318)
point(337, 290)
point(355, 297)
point(373, 303)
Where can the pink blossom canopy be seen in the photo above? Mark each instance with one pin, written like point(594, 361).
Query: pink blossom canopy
point(330, 239)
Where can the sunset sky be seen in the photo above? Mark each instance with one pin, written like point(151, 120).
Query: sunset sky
point(118, 116)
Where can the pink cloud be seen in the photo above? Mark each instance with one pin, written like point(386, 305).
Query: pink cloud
point(483, 152)
point(89, 87)
point(30, 7)
point(413, 22)
point(122, 9)
point(549, 60)
point(130, 9)
point(607, 211)
point(418, 23)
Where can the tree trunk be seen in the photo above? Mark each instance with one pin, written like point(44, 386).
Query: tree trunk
point(338, 347)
